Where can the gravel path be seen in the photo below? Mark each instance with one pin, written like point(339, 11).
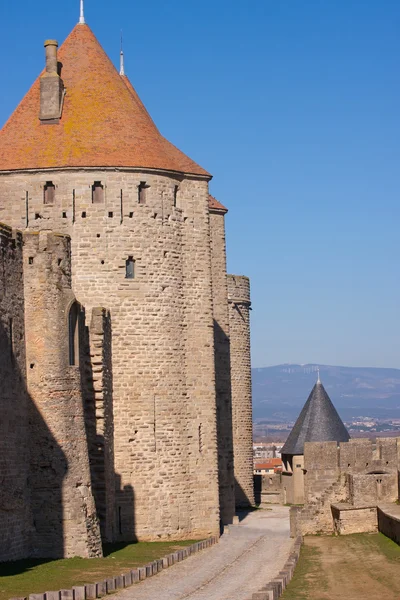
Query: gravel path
point(244, 560)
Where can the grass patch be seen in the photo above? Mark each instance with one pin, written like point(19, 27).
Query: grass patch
point(307, 575)
point(30, 576)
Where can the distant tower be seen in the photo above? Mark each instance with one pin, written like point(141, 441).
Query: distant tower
point(318, 422)
point(242, 412)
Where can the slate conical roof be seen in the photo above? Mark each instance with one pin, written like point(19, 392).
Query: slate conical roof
point(103, 123)
point(317, 422)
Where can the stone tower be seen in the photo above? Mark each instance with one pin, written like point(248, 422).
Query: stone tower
point(148, 289)
point(242, 412)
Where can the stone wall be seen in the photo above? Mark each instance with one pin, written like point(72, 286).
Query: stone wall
point(222, 366)
point(15, 521)
point(99, 419)
point(239, 326)
point(359, 474)
point(348, 519)
point(64, 516)
point(389, 521)
point(164, 404)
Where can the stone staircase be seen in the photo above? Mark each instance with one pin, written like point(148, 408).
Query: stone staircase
point(316, 516)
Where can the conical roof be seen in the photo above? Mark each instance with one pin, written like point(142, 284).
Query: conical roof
point(103, 123)
point(317, 422)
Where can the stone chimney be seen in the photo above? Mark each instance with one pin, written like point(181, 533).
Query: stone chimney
point(51, 87)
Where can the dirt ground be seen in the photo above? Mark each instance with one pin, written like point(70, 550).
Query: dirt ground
point(354, 567)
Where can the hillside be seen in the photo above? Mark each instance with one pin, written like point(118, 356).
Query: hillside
point(279, 392)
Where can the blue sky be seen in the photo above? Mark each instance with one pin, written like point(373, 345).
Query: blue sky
point(294, 108)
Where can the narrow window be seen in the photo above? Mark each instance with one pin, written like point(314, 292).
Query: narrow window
point(49, 192)
point(27, 208)
point(97, 193)
point(73, 330)
point(176, 188)
point(73, 206)
point(110, 214)
point(200, 438)
point(142, 192)
point(130, 268)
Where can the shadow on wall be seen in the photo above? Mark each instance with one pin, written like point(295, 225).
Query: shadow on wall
point(245, 505)
point(125, 507)
point(224, 424)
point(30, 458)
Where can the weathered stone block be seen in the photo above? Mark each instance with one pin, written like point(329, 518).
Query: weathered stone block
point(142, 573)
point(79, 592)
point(101, 589)
point(66, 595)
point(119, 582)
point(127, 579)
point(135, 575)
point(53, 595)
point(90, 591)
point(110, 584)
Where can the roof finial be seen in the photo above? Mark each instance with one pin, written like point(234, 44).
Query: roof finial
point(82, 15)
point(121, 59)
point(318, 380)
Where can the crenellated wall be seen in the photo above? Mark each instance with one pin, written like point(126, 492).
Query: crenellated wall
point(242, 414)
point(345, 483)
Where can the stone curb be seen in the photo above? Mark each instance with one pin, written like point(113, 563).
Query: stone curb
point(274, 589)
point(111, 585)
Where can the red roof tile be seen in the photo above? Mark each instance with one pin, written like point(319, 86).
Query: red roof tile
point(104, 123)
point(215, 205)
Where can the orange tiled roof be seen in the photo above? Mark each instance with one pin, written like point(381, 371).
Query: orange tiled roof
point(103, 124)
point(214, 204)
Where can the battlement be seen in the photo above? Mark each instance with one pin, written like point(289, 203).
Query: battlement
point(238, 289)
point(354, 456)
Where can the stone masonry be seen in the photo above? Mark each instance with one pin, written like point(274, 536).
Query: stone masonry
point(134, 356)
point(242, 414)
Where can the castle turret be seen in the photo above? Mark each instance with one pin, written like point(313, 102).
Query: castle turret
point(242, 412)
point(63, 510)
point(318, 421)
point(137, 212)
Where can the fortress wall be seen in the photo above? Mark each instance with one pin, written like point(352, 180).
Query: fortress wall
point(98, 403)
point(198, 341)
point(222, 365)
point(65, 521)
point(389, 521)
point(164, 403)
point(239, 325)
point(15, 520)
point(321, 463)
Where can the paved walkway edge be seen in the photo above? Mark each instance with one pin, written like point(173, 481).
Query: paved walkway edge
point(91, 591)
point(274, 589)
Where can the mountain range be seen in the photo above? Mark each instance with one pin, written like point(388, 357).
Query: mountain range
point(279, 392)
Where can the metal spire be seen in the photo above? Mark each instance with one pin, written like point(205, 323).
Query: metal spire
point(82, 15)
point(121, 60)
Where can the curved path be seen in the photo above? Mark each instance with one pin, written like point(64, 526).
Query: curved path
point(244, 560)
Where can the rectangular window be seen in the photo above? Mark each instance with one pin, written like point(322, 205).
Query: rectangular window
point(130, 268)
point(49, 192)
point(142, 187)
point(97, 193)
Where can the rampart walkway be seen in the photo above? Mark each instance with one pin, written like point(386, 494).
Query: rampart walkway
point(244, 560)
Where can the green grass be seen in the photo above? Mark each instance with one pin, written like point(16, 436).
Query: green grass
point(304, 575)
point(31, 576)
